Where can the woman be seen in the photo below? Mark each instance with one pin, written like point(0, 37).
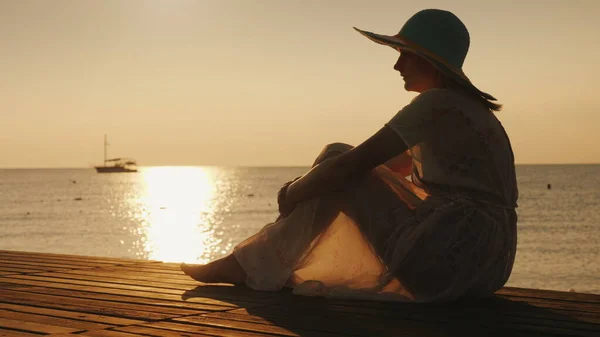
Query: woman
point(355, 227)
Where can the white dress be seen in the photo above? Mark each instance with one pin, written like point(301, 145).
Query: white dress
point(449, 232)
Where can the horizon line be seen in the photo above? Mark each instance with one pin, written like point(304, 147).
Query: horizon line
point(246, 166)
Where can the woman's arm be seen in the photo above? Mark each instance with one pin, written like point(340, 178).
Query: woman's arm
point(334, 173)
point(401, 163)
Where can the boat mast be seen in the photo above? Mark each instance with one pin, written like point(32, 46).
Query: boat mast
point(105, 145)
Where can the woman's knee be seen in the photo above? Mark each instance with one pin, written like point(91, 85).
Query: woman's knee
point(339, 147)
point(332, 150)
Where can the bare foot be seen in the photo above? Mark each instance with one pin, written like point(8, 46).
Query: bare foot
point(225, 270)
point(202, 273)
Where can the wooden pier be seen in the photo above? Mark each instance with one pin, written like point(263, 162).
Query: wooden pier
point(66, 295)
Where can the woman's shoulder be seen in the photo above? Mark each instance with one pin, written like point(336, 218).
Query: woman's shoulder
point(442, 98)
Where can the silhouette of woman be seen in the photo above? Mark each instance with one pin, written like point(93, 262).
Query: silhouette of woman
point(354, 226)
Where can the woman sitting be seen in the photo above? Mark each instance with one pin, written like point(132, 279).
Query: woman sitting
point(354, 226)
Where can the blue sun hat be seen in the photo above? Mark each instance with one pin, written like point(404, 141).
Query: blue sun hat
point(439, 37)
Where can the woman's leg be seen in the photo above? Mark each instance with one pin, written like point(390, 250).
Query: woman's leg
point(228, 269)
point(332, 150)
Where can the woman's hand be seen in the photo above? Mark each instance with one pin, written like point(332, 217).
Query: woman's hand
point(334, 173)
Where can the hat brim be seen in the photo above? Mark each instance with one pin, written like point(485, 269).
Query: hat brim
point(398, 43)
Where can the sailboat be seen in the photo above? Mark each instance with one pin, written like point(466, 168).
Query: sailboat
point(116, 165)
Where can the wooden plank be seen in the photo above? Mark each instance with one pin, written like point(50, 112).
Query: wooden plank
point(547, 331)
point(341, 323)
point(11, 253)
point(153, 269)
point(549, 294)
point(116, 273)
point(186, 329)
point(50, 320)
point(448, 312)
point(108, 308)
point(555, 304)
point(78, 261)
point(532, 308)
point(92, 283)
point(494, 317)
point(133, 268)
point(146, 312)
point(15, 333)
point(235, 293)
point(166, 300)
point(158, 264)
point(98, 333)
point(113, 321)
point(152, 331)
point(175, 276)
point(30, 264)
point(240, 293)
point(27, 268)
point(154, 283)
point(257, 297)
point(19, 269)
point(4, 285)
point(292, 318)
point(34, 327)
point(252, 327)
point(499, 300)
point(43, 287)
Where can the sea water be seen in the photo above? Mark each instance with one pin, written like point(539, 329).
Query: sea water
point(198, 214)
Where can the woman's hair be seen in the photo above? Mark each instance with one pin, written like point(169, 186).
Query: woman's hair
point(486, 99)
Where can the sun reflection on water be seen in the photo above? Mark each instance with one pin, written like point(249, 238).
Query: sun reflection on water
point(176, 213)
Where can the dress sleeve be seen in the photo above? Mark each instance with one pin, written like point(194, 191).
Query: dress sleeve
point(416, 121)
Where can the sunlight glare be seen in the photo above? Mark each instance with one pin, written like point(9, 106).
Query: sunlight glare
point(176, 214)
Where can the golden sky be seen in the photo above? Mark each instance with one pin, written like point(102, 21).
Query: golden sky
point(270, 82)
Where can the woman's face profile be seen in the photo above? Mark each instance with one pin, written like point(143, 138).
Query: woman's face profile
point(418, 74)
